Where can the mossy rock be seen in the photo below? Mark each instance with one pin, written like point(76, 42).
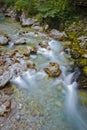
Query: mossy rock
point(85, 70)
point(83, 97)
point(82, 81)
point(82, 62)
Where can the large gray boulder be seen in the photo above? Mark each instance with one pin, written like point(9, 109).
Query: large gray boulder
point(27, 21)
point(3, 40)
point(37, 28)
point(21, 40)
point(5, 78)
point(58, 35)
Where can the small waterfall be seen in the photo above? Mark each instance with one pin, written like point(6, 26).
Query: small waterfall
point(72, 106)
point(30, 78)
point(11, 45)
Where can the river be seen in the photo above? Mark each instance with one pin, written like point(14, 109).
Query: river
point(44, 103)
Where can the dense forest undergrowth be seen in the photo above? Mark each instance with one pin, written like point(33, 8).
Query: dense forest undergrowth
point(54, 12)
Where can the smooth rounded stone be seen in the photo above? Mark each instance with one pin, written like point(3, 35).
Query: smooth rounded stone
point(58, 35)
point(5, 78)
point(20, 41)
point(37, 28)
point(53, 69)
point(43, 44)
point(30, 65)
point(27, 21)
point(32, 50)
point(3, 40)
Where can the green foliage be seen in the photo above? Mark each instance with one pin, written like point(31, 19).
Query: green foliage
point(45, 9)
point(27, 6)
point(6, 3)
point(54, 8)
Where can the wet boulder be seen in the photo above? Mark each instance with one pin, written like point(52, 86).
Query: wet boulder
point(30, 65)
point(58, 35)
point(43, 44)
point(53, 69)
point(27, 21)
point(32, 50)
point(5, 78)
point(3, 40)
point(37, 28)
point(20, 41)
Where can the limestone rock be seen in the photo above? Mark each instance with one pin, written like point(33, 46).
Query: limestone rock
point(37, 28)
point(43, 44)
point(5, 78)
point(27, 21)
point(58, 35)
point(31, 65)
point(20, 41)
point(3, 40)
point(53, 69)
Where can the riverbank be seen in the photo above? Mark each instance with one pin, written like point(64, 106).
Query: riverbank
point(77, 34)
point(41, 88)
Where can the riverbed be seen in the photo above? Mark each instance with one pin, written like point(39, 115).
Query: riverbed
point(40, 102)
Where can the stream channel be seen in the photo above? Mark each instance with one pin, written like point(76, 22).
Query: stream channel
point(42, 102)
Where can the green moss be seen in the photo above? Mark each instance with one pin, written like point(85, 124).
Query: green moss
point(83, 97)
point(83, 62)
point(85, 70)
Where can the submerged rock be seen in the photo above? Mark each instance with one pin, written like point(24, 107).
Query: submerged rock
point(53, 69)
point(3, 40)
point(58, 35)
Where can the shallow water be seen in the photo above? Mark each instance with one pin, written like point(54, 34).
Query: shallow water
point(47, 103)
